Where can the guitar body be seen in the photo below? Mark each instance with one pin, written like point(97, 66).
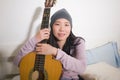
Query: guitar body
point(52, 67)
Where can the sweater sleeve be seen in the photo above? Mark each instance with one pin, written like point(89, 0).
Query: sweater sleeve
point(75, 64)
point(27, 47)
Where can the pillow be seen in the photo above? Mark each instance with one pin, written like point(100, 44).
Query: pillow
point(106, 53)
point(101, 71)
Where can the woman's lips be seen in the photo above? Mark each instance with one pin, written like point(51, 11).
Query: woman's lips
point(61, 34)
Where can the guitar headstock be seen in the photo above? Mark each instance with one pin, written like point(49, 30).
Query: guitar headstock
point(49, 3)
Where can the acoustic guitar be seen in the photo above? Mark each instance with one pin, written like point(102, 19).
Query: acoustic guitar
point(34, 66)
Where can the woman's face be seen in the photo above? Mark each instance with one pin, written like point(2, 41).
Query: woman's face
point(61, 29)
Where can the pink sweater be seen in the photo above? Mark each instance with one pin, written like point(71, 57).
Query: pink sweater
point(72, 66)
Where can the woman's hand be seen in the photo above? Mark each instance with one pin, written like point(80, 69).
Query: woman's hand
point(46, 49)
point(42, 34)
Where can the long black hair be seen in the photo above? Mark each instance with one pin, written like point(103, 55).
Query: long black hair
point(69, 44)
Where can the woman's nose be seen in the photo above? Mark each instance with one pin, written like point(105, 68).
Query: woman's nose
point(61, 28)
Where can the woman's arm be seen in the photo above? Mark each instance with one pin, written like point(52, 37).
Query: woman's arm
point(29, 46)
point(76, 64)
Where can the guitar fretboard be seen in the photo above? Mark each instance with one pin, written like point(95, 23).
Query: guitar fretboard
point(45, 20)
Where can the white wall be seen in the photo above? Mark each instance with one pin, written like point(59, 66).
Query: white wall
point(98, 21)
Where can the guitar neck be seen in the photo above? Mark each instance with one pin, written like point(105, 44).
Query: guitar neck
point(40, 59)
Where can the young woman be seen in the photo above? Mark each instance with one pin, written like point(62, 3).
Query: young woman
point(62, 44)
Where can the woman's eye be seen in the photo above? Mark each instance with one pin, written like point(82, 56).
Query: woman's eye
point(67, 25)
point(56, 24)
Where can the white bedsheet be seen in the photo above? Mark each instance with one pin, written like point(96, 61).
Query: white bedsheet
point(101, 71)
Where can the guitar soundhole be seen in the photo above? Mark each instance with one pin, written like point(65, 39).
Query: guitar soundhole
point(35, 75)
point(38, 75)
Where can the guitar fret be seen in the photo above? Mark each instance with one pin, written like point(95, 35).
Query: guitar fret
point(39, 69)
point(39, 64)
point(45, 18)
